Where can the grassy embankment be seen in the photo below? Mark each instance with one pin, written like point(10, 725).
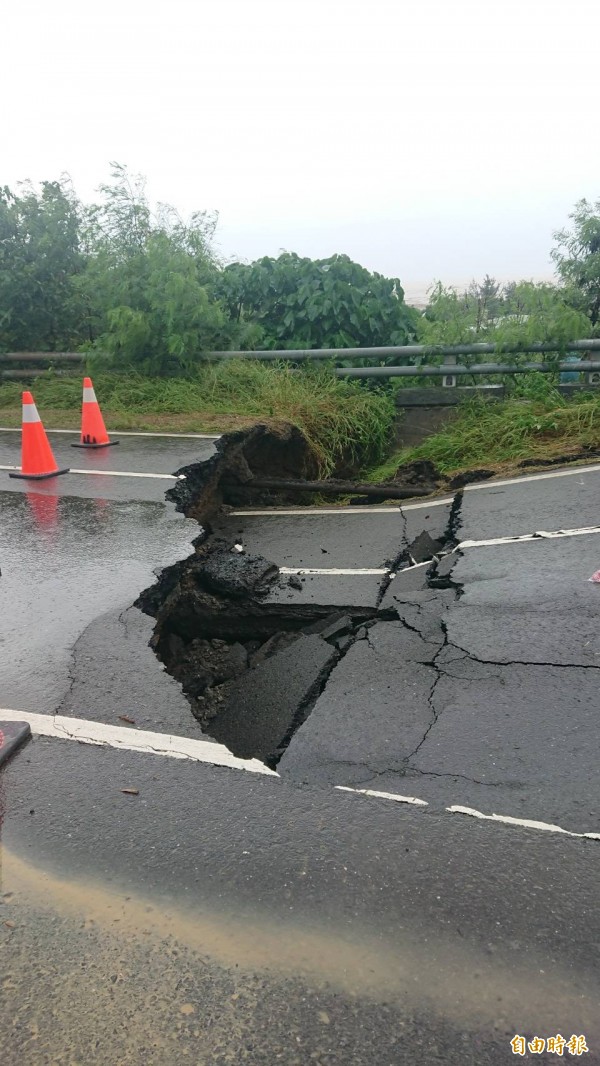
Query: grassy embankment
point(340, 420)
point(535, 423)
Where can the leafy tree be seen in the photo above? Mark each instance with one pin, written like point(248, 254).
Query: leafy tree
point(149, 283)
point(577, 258)
point(453, 317)
point(518, 314)
point(485, 298)
point(316, 303)
point(538, 314)
point(40, 262)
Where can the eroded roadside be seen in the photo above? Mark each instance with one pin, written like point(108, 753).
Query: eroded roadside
point(252, 651)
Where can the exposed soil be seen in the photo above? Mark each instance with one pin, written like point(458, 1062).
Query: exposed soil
point(423, 473)
point(279, 451)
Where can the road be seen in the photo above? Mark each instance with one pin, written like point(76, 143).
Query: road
point(219, 915)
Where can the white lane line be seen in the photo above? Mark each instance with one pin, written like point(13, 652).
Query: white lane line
point(524, 823)
point(503, 819)
point(593, 468)
point(384, 795)
point(312, 511)
point(144, 742)
point(129, 473)
point(333, 571)
point(139, 740)
point(115, 473)
point(374, 510)
point(129, 433)
point(541, 534)
point(353, 572)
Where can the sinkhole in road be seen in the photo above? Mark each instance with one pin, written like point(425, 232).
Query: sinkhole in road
point(251, 653)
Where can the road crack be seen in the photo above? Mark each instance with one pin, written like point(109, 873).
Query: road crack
point(466, 654)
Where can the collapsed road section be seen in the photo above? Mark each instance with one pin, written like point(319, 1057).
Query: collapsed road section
point(251, 651)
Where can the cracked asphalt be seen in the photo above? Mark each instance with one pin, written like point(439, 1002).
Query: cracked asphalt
point(217, 917)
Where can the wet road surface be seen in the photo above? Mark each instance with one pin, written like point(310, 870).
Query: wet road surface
point(133, 454)
point(215, 916)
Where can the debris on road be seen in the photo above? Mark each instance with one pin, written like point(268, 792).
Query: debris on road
point(131, 791)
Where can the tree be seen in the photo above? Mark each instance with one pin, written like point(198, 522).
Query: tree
point(577, 258)
point(518, 314)
point(316, 303)
point(40, 263)
point(150, 279)
point(452, 317)
point(485, 298)
point(538, 313)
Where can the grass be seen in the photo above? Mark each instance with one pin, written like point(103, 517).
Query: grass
point(537, 422)
point(343, 423)
point(346, 425)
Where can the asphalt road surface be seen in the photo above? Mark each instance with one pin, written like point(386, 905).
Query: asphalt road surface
point(158, 909)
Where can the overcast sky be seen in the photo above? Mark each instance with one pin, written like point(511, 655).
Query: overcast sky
point(425, 138)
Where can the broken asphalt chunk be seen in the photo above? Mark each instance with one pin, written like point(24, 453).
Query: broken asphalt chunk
point(236, 575)
point(424, 547)
point(264, 705)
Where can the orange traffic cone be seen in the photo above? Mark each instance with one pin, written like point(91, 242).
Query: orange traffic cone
point(93, 430)
point(37, 460)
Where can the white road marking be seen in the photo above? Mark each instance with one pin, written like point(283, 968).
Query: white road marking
point(147, 743)
point(504, 819)
point(129, 473)
point(524, 823)
point(593, 468)
point(115, 473)
point(333, 571)
point(144, 742)
point(384, 795)
point(349, 571)
point(541, 534)
point(128, 433)
point(312, 511)
point(374, 510)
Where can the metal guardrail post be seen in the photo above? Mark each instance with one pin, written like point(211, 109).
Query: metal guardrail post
point(592, 377)
point(449, 380)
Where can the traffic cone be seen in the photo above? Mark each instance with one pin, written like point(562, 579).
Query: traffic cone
point(37, 460)
point(93, 430)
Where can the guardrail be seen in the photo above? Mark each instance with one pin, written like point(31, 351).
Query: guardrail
point(40, 361)
point(409, 351)
point(449, 370)
point(452, 370)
